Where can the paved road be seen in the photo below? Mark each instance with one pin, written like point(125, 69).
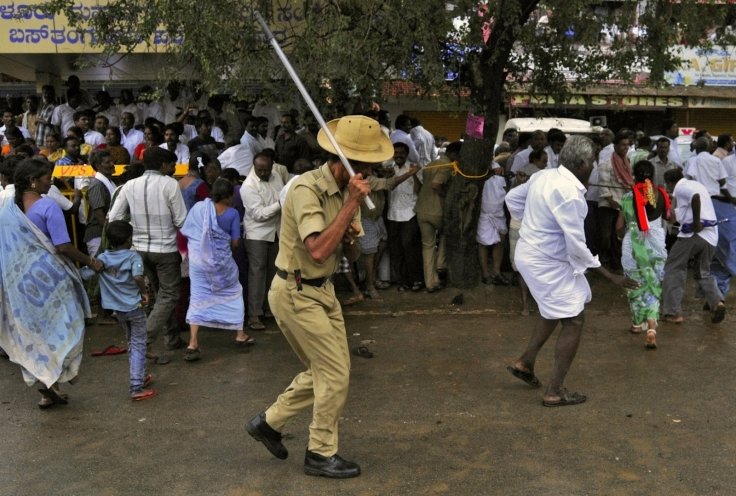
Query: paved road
point(434, 412)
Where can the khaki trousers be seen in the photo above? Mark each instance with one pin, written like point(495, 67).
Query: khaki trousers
point(433, 258)
point(311, 321)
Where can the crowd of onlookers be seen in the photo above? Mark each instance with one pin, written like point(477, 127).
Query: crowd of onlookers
point(244, 165)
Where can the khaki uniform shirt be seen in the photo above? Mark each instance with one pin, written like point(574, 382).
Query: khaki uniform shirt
point(429, 202)
point(313, 202)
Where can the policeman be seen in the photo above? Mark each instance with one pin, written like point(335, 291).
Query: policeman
point(319, 223)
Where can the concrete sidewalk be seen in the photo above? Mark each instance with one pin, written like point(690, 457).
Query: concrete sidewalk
point(434, 412)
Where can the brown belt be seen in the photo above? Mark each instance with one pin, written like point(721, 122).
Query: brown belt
point(320, 281)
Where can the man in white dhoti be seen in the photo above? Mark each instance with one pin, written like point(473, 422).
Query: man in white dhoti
point(552, 257)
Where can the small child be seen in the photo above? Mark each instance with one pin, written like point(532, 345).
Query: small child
point(123, 290)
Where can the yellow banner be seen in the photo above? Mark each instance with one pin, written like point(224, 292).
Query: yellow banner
point(26, 30)
point(87, 170)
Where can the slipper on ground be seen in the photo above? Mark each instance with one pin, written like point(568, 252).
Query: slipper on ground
point(256, 326)
point(110, 350)
point(250, 341)
point(363, 352)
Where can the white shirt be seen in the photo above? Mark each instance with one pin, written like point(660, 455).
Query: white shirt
point(674, 153)
point(425, 145)
point(605, 154)
point(254, 142)
point(494, 191)
point(262, 208)
point(55, 194)
point(156, 209)
point(707, 170)
point(23, 131)
point(63, 117)
point(400, 136)
point(521, 159)
point(552, 159)
point(592, 194)
point(181, 152)
point(131, 140)
point(266, 142)
point(729, 164)
point(402, 199)
point(238, 157)
point(682, 196)
point(94, 138)
point(153, 109)
point(552, 207)
point(285, 189)
point(217, 134)
point(172, 109)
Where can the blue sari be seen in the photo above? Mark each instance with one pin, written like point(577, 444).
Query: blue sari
point(43, 303)
point(216, 294)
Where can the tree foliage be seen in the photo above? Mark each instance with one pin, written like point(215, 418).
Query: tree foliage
point(341, 49)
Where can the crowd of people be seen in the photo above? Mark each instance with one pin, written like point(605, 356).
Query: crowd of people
point(224, 246)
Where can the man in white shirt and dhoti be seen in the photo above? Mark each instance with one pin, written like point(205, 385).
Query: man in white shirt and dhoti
point(552, 257)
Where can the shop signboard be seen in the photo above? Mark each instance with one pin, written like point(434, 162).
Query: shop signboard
point(715, 67)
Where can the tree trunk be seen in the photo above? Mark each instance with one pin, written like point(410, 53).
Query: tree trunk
point(464, 195)
point(462, 208)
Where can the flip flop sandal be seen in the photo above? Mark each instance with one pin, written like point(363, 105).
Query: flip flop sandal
point(143, 395)
point(45, 403)
point(527, 377)
point(247, 342)
point(651, 342)
point(256, 326)
point(718, 314)
point(110, 350)
point(566, 399)
point(353, 300)
point(55, 397)
point(192, 355)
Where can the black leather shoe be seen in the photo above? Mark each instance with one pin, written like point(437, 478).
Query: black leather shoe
point(334, 466)
point(259, 430)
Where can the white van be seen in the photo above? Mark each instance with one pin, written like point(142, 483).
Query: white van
point(567, 126)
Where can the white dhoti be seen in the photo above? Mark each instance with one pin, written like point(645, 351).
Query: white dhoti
point(490, 229)
point(559, 292)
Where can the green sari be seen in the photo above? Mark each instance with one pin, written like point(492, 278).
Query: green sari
point(643, 255)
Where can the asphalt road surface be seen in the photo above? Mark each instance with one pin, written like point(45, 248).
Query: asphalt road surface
point(433, 412)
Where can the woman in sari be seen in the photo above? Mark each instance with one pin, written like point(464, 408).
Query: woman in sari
point(118, 152)
point(212, 230)
point(43, 299)
point(643, 252)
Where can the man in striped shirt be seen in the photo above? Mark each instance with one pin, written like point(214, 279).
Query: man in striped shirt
point(157, 210)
